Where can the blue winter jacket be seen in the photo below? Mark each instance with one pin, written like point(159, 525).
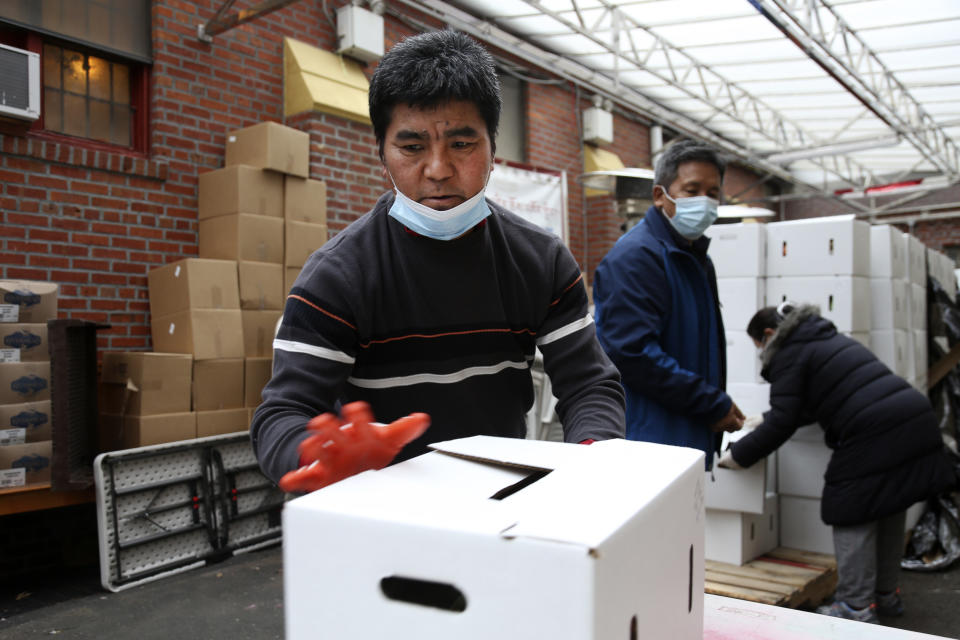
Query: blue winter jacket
point(658, 318)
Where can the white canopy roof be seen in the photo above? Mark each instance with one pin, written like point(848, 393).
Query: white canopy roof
point(829, 96)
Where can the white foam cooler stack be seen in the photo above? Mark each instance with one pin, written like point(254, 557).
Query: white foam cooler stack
point(870, 281)
point(916, 258)
point(742, 519)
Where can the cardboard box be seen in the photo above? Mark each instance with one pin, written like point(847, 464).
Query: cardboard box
point(892, 348)
point(28, 301)
point(242, 236)
point(503, 538)
point(218, 384)
point(25, 422)
point(740, 299)
point(801, 527)
point(240, 189)
point(737, 538)
point(270, 145)
point(214, 423)
point(739, 250)
point(21, 342)
point(889, 303)
point(304, 200)
point(838, 245)
point(127, 432)
point(843, 300)
point(259, 328)
point(743, 361)
point(257, 373)
point(205, 333)
point(289, 277)
point(193, 283)
point(25, 464)
point(24, 382)
point(302, 239)
point(888, 258)
point(801, 465)
point(917, 307)
point(145, 383)
point(261, 285)
point(863, 337)
point(916, 256)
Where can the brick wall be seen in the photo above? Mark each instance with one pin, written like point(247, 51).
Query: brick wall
point(96, 221)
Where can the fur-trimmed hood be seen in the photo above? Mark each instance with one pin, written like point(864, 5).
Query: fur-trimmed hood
point(787, 326)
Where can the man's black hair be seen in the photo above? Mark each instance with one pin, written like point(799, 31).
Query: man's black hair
point(681, 151)
point(430, 69)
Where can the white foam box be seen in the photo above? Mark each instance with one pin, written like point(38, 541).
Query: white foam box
point(863, 337)
point(888, 303)
point(892, 347)
point(740, 299)
point(887, 253)
point(917, 307)
point(502, 538)
point(844, 300)
point(801, 527)
point(920, 384)
point(838, 245)
point(916, 255)
point(743, 358)
point(801, 465)
point(809, 433)
point(737, 538)
point(738, 250)
point(741, 490)
point(920, 356)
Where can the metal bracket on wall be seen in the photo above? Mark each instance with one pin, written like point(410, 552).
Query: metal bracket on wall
point(220, 23)
point(168, 508)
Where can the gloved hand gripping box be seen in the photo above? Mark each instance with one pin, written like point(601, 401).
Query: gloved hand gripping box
point(503, 538)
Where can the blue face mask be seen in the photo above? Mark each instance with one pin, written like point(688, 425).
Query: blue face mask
point(439, 225)
point(693, 215)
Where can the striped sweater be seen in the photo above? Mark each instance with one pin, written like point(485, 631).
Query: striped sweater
point(449, 328)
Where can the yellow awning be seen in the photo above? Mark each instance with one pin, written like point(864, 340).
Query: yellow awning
point(596, 159)
point(318, 80)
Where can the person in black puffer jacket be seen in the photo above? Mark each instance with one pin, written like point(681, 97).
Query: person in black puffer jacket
point(887, 449)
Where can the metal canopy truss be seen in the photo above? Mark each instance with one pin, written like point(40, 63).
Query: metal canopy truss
point(823, 35)
point(826, 108)
point(638, 50)
point(692, 77)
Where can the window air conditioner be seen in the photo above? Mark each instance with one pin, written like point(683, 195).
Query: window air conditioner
point(19, 83)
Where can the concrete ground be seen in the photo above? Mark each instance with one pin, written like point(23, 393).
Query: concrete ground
point(241, 598)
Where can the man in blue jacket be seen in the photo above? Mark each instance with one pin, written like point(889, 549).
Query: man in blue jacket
point(658, 314)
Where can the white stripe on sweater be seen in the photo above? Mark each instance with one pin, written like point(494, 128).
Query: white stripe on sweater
point(566, 330)
point(435, 378)
point(311, 350)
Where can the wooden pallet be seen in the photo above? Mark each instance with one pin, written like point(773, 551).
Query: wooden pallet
point(783, 577)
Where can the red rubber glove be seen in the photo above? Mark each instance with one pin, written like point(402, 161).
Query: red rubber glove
point(338, 449)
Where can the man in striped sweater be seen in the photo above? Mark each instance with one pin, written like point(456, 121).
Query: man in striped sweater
point(436, 300)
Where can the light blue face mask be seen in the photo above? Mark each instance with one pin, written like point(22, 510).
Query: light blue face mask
point(694, 215)
point(439, 225)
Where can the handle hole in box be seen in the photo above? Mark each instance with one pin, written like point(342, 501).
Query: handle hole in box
point(426, 593)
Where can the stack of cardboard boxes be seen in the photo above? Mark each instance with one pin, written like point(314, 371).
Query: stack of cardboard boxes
point(214, 317)
point(25, 417)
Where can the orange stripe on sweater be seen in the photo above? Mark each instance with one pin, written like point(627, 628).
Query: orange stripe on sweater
point(570, 286)
point(447, 334)
point(323, 311)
